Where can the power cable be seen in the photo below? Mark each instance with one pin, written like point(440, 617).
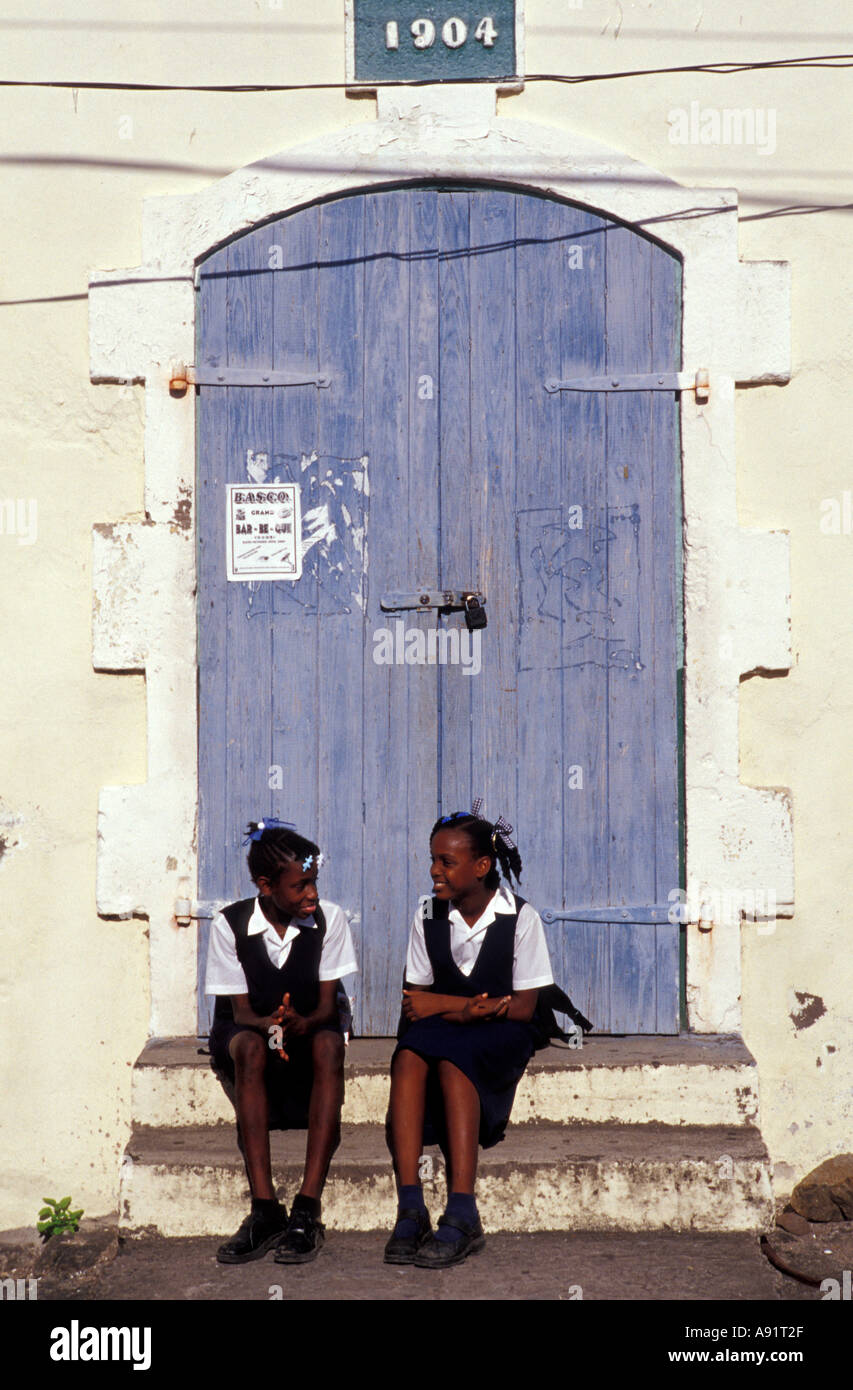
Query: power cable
point(725, 69)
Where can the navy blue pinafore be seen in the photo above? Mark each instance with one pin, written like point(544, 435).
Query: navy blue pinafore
point(288, 1083)
point(492, 1054)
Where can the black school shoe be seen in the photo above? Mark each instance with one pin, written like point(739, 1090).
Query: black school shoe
point(438, 1254)
point(254, 1238)
point(303, 1239)
point(401, 1250)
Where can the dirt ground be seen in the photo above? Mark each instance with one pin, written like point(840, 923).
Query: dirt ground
point(640, 1300)
point(571, 1266)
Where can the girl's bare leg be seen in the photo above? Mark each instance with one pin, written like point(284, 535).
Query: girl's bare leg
point(462, 1118)
point(324, 1111)
point(250, 1055)
point(406, 1114)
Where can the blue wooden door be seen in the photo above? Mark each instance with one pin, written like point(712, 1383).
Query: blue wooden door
point(436, 458)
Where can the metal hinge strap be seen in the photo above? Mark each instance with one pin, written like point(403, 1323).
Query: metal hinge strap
point(191, 910)
point(254, 376)
point(643, 916)
point(649, 381)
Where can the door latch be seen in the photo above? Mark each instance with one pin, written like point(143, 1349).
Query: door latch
point(469, 601)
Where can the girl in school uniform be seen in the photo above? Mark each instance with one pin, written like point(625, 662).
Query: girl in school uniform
point(476, 962)
point(275, 964)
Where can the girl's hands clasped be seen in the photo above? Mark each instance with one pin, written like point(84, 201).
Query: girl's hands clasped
point(417, 1004)
point(294, 1024)
point(276, 1020)
point(420, 1003)
point(481, 1008)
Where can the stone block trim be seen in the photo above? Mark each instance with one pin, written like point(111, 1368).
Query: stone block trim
point(736, 325)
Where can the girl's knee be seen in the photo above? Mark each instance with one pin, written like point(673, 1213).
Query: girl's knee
point(249, 1053)
point(328, 1050)
point(456, 1087)
point(407, 1064)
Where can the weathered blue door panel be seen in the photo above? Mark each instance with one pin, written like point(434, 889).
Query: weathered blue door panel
point(562, 697)
point(436, 458)
point(393, 714)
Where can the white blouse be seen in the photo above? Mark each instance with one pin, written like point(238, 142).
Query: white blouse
point(531, 965)
point(225, 974)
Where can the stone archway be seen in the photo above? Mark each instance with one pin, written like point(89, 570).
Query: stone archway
point(736, 588)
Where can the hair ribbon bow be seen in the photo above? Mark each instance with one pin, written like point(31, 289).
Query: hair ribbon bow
point(269, 824)
point(502, 831)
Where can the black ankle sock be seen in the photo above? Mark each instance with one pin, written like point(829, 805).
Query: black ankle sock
point(309, 1204)
point(461, 1205)
point(408, 1198)
point(264, 1206)
point(412, 1196)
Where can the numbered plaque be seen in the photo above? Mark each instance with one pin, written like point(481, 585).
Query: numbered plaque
point(433, 41)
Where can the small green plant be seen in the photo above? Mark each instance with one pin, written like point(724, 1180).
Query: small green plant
point(55, 1216)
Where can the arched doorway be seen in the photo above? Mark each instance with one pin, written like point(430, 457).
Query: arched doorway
point(437, 459)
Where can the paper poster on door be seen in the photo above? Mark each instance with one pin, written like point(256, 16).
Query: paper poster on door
point(263, 527)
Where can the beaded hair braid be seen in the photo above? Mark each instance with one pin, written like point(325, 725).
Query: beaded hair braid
point(486, 840)
point(274, 849)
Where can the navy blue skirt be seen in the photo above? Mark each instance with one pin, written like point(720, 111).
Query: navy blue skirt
point(493, 1055)
point(288, 1084)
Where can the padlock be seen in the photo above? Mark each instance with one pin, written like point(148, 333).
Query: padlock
point(475, 614)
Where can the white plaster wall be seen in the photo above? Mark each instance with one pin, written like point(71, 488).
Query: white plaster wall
point(74, 193)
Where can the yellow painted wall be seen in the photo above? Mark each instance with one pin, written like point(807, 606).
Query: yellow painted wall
point(74, 988)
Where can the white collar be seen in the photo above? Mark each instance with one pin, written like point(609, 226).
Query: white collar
point(259, 923)
point(501, 902)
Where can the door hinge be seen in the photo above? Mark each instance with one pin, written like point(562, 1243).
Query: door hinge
point(649, 381)
point(182, 376)
point(643, 916)
point(190, 910)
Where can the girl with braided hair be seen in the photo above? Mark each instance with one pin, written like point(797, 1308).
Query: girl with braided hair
point(275, 964)
point(477, 959)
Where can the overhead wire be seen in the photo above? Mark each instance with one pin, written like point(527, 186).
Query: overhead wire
point(827, 61)
point(824, 60)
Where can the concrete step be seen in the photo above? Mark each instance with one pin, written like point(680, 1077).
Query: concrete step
point(190, 1181)
point(685, 1080)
